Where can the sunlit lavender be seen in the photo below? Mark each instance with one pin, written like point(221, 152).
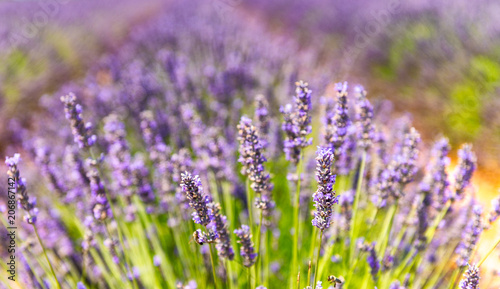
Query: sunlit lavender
point(206, 150)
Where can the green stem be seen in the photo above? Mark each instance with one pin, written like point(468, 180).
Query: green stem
point(313, 244)
point(309, 270)
point(317, 259)
point(489, 253)
point(249, 205)
point(296, 221)
point(258, 270)
point(406, 261)
point(134, 283)
point(46, 257)
point(268, 256)
point(120, 237)
point(355, 207)
point(374, 217)
point(249, 277)
point(213, 265)
point(387, 229)
point(229, 274)
point(455, 278)
point(366, 278)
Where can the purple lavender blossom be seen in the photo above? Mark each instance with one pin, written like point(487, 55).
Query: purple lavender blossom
point(347, 159)
point(297, 122)
point(180, 162)
point(140, 181)
point(247, 249)
point(495, 210)
point(423, 215)
point(193, 189)
point(471, 278)
point(195, 126)
point(407, 167)
point(338, 122)
point(465, 169)
point(81, 131)
point(346, 200)
point(400, 170)
point(251, 156)
point(118, 153)
point(190, 285)
point(159, 154)
point(364, 118)
point(396, 285)
point(100, 206)
point(470, 237)
point(120, 159)
point(19, 184)
point(223, 242)
point(76, 164)
point(156, 260)
point(436, 177)
point(372, 259)
point(262, 118)
point(80, 285)
point(46, 160)
point(324, 197)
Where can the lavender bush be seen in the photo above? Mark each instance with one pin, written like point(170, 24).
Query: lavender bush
point(205, 162)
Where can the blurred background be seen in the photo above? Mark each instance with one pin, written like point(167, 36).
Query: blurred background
point(437, 60)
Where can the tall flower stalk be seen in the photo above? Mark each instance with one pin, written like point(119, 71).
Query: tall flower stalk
point(324, 197)
point(365, 131)
point(338, 122)
point(253, 161)
point(28, 205)
point(296, 125)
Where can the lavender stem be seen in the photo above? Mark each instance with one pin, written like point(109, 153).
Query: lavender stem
point(46, 257)
point(296, 217)
point(258, 270)
point(213, 265)
point(249, 205)
point(317, 259)
point(489, 253)
point(355, 206)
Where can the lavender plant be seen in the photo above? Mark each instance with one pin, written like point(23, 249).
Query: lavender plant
point(180, 171)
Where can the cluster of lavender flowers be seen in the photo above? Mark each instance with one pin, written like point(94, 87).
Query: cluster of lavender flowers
point(144, 205)
point(297, 122)
point(337, 121)
point(324, 197)
point(19, 183)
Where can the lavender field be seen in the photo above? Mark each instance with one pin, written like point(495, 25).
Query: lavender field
point(250, 144)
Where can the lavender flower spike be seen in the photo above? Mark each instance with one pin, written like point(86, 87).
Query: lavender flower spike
point(246, 250)
point(324, 197)
point(20, 185)
point(470, 237)
point(364, 117)
point(337, 124)
point(223, 245)
point(495, 210)
point(262, 118)
point(297, 122)
point(251, 156)
point(372, 259)
point(100, 207)
point(465, 169)
point(81, 131)
point(471, 278)
point(191, 186)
